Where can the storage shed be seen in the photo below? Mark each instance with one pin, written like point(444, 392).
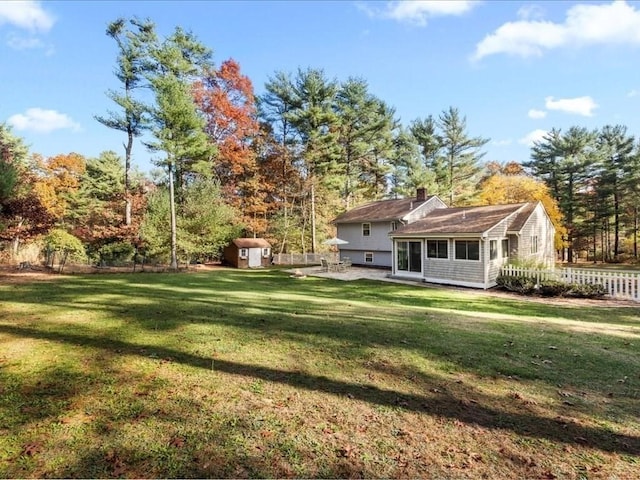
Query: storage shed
point(248, 253)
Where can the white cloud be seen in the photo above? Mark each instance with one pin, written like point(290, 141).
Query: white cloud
point(586, 24)
point(633, 93)
point(580, 105)
point(530, 12)
point(42, 121)
point(531, 137)
point(417, 12)
point(537, 114)
point(18, 42)
point(27, 14)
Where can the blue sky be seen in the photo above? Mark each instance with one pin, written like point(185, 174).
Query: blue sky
point(514, 69)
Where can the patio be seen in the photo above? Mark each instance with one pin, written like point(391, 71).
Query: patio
point(351, 273)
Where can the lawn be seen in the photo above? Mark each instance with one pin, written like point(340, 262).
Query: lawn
point(257, 374)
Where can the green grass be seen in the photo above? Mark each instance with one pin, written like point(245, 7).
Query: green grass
point(257, 374)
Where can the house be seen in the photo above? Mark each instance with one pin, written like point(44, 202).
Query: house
point(367, 227)
point(248, 253)
point(467, 246)
point(421, 238)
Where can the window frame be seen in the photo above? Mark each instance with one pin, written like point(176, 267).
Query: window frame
point(368, 257)
point(466, 242)
point(366, 229)
point(505, 251)
point(244, 252)
point(438, 243)
point(493, 249)
point(534, 244)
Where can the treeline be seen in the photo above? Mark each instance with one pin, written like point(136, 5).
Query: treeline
point(284, 164)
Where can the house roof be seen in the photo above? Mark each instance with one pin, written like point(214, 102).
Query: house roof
point(381, 210)
point(468, 220)
point(251, 243)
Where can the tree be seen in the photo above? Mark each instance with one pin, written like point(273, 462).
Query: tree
point(631, 184)
point(426, 136)
point(365, 135)
point(409, 171)
point(564, 162)
point(615, 149)
point(461, 156)
point(13, 154)
point(131, 64)
point(316, 123)
point(226, 99)
point(504, 187)
point(177, 127)
point(278, 156)
point(205, 222)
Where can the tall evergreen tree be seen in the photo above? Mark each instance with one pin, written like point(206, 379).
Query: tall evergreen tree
point(316, 123)
point(131, 63)
point(565, 162)
point(461, 154)
point(615, 148)
point(177, 127)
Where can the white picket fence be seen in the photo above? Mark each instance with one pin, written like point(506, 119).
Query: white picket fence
point(619, 284)
point(300, 258)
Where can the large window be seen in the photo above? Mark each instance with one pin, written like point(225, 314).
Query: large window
point(493, 249)
point(409, 256)
point(437, 249)
point(366, 229)
point(505, 248)
point(467, 250)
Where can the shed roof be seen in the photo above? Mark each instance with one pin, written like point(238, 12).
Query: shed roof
point(251, 243)
point(381, 210)
point(467, 220)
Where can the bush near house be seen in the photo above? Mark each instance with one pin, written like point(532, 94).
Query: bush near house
point(549, 288)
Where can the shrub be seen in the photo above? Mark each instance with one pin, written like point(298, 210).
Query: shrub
point(117, 252)
point(586, 290)
point(552, 288)
point(519, 284)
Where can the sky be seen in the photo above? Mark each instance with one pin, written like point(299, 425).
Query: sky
point(515, 70)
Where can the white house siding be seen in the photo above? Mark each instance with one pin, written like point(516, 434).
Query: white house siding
point(540, 225)
point(467, 273)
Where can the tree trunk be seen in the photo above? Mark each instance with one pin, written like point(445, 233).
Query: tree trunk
point(313, 216)
point(172, 207)
point(127, 181)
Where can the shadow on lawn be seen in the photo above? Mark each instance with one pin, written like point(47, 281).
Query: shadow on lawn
point(441, 404)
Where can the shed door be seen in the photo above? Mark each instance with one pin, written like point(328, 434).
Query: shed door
point(255, 258)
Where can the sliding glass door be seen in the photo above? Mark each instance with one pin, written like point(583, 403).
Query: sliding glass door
point(409, 256)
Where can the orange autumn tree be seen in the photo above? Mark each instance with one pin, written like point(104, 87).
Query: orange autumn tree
point(509, 184)
point(58, 180)
point(226, 99)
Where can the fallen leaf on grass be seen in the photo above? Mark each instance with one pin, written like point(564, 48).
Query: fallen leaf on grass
point(177, 442)
point(31, 448)
point(346, 451)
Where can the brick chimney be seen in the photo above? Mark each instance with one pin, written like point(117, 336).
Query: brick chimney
point(421, 194)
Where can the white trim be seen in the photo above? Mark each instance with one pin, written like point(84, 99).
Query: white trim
point(459, 283)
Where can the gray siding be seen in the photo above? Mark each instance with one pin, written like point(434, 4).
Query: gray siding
point(378, 242)
point(452, 271)
point(538, 225)
point(424, 209)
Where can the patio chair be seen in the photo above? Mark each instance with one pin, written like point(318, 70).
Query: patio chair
point(324, 265)
point(344, 264)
